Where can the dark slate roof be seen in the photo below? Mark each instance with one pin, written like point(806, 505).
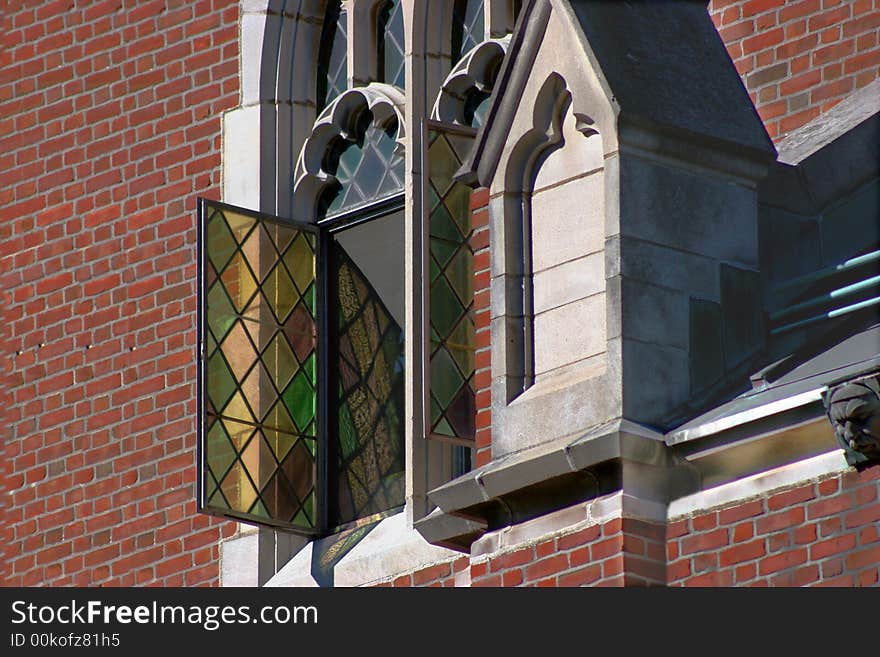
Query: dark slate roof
point(664, 62)
point(667, 65)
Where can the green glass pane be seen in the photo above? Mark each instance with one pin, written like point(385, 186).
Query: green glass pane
point(300, 261)
point(299, 397)
point(220, 243)
point(436, 411)
point(259, 509)
point(279, 418)
point(442, 226)
point(280, 361)
point(309, 368)
point(433, 199)
point(432, 265)
point(443, 164)
point(220, 314)
point(460, 275)
point(238, 433)
point(445, 377)
point(446, 309)
point(212, 344)
point(302, 519)
point(347, 433)
point(216, 501)
point(280, 293)
point(238, 409)
point(259, 392)
point(239, 351)
point(218, 450)
point(239, 224)
point(308, 509)
point(220, 383)
point(461, 345)
point(442, 250)
point(442, 427)
point(239, 282)
point(259, 252)
point(458, 203)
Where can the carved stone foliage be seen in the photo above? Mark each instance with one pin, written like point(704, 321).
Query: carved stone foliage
point(854, 411)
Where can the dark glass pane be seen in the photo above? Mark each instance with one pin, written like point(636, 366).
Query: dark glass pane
point(389, 40)
point(475, 107)
point(332, 56)
point(260, 382)
point(367, 271)
point(452, 341)
point(366, 169)
point(468, 28)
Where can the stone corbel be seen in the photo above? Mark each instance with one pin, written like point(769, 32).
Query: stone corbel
point(853, 408)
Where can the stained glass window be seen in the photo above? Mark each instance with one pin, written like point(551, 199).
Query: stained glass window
point(366, 169)
point(367, 296)
point(451, 293)
point(259, 433)
point(468, 26)
point(390, 43)
point(332, 56)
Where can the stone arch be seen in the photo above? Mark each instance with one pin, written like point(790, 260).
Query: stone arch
point(474, 74)
point(338, 120)
point(541, 236)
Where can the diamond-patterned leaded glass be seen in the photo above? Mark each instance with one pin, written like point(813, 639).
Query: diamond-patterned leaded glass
point(332, 57)
point(468, 26)
point(366, 170)
point(369, 359)
point(259, 433)
point(390, 44)
point(451, 292)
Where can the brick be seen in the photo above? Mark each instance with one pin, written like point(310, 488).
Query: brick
point(745, 552)
point(778, 562)
point(781, 520)
point(545, 567)
point(737, 513)
point(582, 577)
point(864, 558)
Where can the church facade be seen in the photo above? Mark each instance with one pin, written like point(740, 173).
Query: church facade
point(540, 293)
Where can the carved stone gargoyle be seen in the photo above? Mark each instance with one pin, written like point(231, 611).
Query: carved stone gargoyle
point(854, 410)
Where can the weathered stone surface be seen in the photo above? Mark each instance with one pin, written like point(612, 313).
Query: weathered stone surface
point(789, 244)
point(654, 314)
point(845, 231)
point(655, 381)
point(569, 282)
point(688, 210)
point(705, 351)
point(568, 222)
point(569, 333)
point(670, 268)
point(741, 313)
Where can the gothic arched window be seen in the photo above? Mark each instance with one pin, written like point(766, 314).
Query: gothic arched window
point(332, 77)
point(390, 43)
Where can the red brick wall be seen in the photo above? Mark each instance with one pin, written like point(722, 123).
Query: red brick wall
point(483, 373)
point(110, 128)
point(824, 533)
point(798, 58)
